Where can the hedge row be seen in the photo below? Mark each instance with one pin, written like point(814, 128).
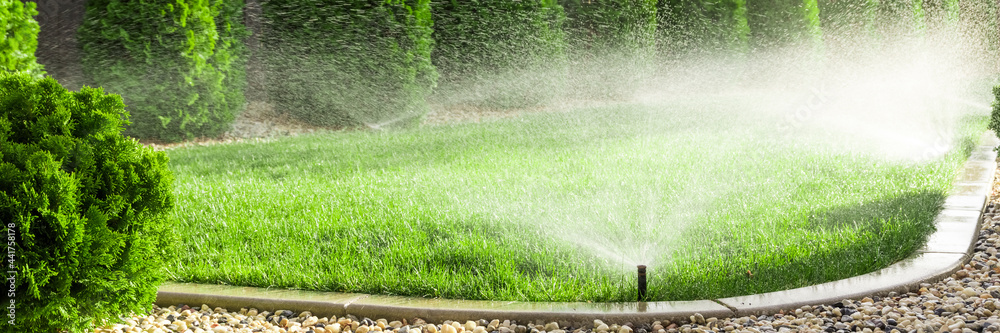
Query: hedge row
point(778, 22)
point(612, 26)
point(82, 206)
point(693, 26)
point(499, 53)
point(19, 37)
point(179, 64)
point(344, 63)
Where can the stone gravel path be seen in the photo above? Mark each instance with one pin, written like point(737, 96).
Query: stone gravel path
point(967, 301)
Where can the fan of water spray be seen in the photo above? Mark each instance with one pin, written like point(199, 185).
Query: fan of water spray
point(900, 103)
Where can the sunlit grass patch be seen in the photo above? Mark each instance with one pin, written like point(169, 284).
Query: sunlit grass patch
point(554, 207)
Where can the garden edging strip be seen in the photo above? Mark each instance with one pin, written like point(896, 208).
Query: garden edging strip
point(946, 251)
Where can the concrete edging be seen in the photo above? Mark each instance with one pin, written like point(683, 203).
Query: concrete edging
point(946, 251)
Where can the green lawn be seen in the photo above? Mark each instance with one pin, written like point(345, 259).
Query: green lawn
point(554, 207)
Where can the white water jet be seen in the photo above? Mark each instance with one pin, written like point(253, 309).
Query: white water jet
point(901, 102)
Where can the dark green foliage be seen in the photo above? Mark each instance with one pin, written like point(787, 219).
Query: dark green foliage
point(940, 14)
point(784, 22)
point(618, 26)
point(993, 32)
point(854, 17)
point(696, 25)
point(612, 44)
point(919, 16)
point(982, 21)
point(85, 206)
point(500, 53)
point(475, 35)
point(995, 115)
point(898, 17)
point(178, 64)
point(19, 37)
point(343, 63)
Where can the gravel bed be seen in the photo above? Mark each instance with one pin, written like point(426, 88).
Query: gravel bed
point(967, 301)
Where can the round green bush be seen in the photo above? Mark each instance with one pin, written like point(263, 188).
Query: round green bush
point(179, 64)
point(347, 63)
point(83, 207)
point(19, 37)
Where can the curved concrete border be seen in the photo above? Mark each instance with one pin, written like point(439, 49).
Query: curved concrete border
point(946, 251)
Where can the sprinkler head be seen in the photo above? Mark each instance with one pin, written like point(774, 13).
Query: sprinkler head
point(642, 283)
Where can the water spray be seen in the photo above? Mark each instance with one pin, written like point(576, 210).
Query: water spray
point(642, 283)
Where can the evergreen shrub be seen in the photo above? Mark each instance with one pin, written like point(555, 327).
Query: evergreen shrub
point(784, 22)
point(995, 115)
point(179, 64)
point(612, 46)
point(83, 207)
point(503, 54)
point(849, 17)
point(19, 37)
point(346, 63)
point(618, 26)
point(702, 26)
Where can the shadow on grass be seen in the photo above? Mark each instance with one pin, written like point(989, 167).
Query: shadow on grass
point(923, 205)
point(858, 239)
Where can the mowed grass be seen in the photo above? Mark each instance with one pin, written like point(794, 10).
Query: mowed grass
point(553, 207)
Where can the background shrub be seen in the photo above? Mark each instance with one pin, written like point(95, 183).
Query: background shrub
point(702, 26)
point(623, 27)
point(85, 204)
point(982, 19)
point(179, 64)
point(849, 17)
point(504, 54)
point(20, 37)
point(995, 115)
point(343, 63)
point(612, 46)
point(784, 22)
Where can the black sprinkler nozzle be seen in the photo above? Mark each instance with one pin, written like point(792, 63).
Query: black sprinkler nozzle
point(642, 283)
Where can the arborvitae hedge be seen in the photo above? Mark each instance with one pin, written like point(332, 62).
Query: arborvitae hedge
point(82, 206)
point(19, 37)
point(612, 26)
point(500, 53)
point(848, 17)
point(349, 62)
point(612, 46)
point(179, 64)
point(982, 19)
point(784, 22)
point(689, 26)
